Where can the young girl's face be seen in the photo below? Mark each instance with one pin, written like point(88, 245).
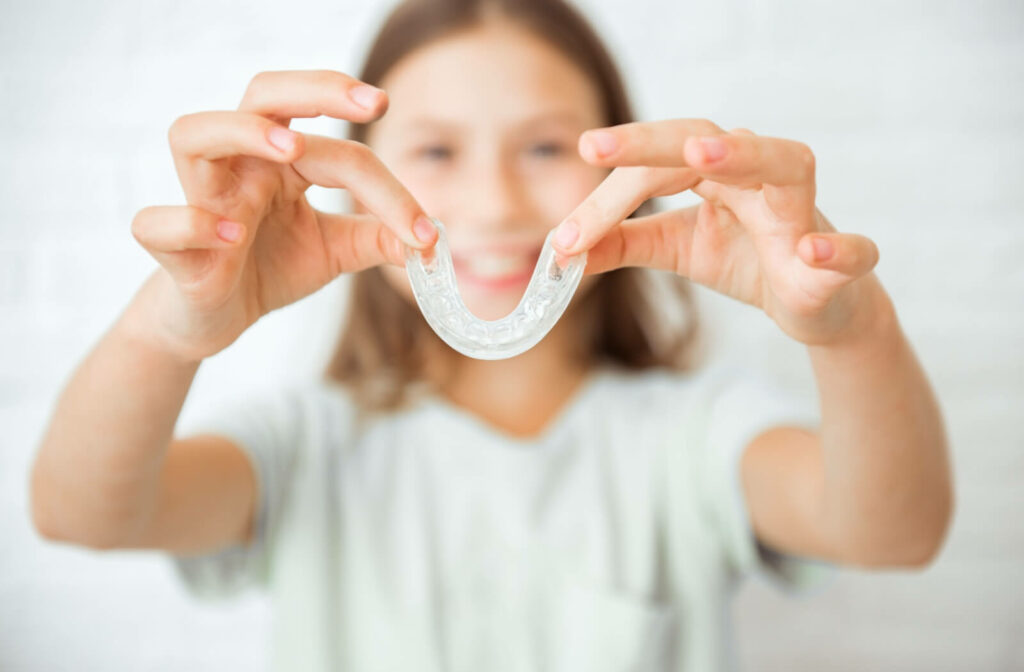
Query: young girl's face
point(482, 128)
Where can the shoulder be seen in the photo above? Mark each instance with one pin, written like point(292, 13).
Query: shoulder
point(291, 413)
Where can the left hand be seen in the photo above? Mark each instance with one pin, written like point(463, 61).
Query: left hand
point(756, 237)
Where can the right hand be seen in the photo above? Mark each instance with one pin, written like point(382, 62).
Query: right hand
point(209, 289)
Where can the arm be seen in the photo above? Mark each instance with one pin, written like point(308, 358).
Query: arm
point(107, 473)
point(874, 488)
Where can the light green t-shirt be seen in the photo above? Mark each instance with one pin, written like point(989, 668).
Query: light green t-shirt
point(428, 540)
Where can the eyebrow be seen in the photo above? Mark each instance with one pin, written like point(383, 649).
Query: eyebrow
point(542, 119)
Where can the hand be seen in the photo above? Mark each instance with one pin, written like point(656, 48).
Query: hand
point(248, 241)
point(756, 237)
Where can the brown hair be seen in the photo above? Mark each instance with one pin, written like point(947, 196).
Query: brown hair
point(385, 342)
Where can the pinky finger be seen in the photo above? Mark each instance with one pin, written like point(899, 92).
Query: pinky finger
point(851, 254)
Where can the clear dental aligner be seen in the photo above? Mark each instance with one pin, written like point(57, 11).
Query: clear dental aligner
point(546, 298)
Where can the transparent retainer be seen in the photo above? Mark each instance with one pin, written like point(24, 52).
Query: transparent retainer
point(546, 298)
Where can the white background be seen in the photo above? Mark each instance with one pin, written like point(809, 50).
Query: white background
point(915, 112)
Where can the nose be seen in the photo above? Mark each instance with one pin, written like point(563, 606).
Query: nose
point(495, 197)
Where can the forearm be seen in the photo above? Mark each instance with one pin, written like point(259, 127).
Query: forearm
point(96, 469)
point(887, 486)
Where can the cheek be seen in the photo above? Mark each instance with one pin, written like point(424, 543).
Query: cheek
point(433, 192)
point(429, 185)
point(570, 188)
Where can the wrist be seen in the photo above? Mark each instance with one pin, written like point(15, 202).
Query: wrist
point(140, 325)
point(873, 320)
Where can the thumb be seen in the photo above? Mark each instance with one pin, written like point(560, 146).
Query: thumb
point(849, 254)
point(357, 242)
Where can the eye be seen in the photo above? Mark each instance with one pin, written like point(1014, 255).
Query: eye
point(435, 152)
point(545, 149)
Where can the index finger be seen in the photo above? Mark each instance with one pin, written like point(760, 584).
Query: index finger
point(287, 94)
point(621, 193)
point(643, 143)
point(736, 157)
point(330, 162)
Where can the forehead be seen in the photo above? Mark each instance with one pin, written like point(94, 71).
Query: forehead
point(493, 74)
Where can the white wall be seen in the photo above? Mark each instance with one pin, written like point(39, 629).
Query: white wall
point(914, 110)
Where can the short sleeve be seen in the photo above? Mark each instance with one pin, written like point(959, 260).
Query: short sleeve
point(737, 405)
point(267, 428)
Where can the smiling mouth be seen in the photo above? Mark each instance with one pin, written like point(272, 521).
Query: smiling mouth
point(496, 270)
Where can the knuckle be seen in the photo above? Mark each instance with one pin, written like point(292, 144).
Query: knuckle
point(330, 79)
point(622, 248)
point(388, 245)
point(195, 222)
point(706, 127)
point(139, 224)
point(322, 76)
point(650, 174)
point(382, 243)
point(593, 210)
point(641, 179)
point(807, 160)
point(663, 181)
point(257, 87)
point(357, 154)
point(259, 80)
point(184, 126)
point(713, 192)
point(359, 150)
point(177, 129)
point(872, 254)
point(636, 135)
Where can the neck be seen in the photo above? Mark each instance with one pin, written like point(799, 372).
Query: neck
point(521, 394)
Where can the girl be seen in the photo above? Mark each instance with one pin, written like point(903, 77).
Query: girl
point(586, 505)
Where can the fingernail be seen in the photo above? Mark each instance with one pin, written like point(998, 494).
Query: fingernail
point(365, 96)
point(714, 149)
point(228, 230)
point(423, 229)
point(823, 249)
point(282, 138)
point(603, 142)
point(567, 234)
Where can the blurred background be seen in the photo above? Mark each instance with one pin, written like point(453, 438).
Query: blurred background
point(915, 111)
